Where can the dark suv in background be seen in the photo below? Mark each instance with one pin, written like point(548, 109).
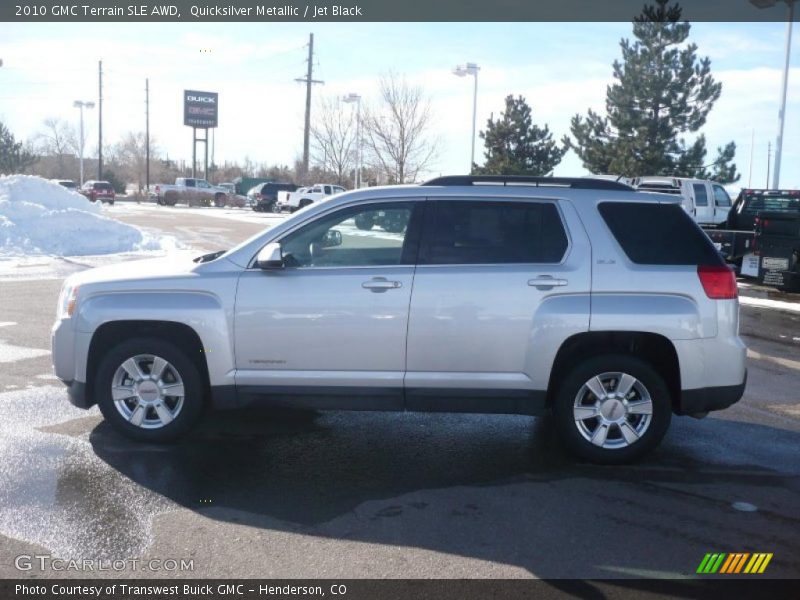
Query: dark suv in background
point(263, 196)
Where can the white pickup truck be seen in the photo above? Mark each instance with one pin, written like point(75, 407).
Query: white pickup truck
point(191, 191)
point(304, 196)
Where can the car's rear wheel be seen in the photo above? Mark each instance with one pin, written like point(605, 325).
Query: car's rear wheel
point(612, 409)
point(149, 390)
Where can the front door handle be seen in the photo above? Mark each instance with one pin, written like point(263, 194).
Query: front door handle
point(381, 284)
point(546, 282)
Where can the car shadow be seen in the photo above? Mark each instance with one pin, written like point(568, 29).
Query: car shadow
point(504, 476)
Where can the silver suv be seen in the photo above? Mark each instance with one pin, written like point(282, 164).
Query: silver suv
point(607, 307)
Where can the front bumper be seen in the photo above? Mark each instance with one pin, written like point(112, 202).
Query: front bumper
point(76, 391)
point(703, 400)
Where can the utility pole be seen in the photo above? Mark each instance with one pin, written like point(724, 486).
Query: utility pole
point(100, 119)
point(309, 81)
point(769, 156)
point(147, 135)
point(752, 147)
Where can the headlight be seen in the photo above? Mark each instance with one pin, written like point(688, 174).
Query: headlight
point(67, 300)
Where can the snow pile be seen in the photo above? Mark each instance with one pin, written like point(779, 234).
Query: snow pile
point(41, 217)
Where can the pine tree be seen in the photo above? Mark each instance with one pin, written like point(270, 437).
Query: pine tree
point(13, 157)
point(662, 92)
point(516, 146)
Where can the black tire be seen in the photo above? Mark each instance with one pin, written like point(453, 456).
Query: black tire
point(193, 386)
point(394, 224)
point(365, 221)
point(569, 429)
point(219, 200)
point(304, 202)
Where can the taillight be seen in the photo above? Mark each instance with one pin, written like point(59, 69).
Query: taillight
point(718, 281)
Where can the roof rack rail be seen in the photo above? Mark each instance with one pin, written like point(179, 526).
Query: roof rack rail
point(578, 183)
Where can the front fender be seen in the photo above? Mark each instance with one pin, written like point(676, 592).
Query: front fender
point(202, 311)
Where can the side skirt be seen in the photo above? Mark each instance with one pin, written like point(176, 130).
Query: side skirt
point(484, 401)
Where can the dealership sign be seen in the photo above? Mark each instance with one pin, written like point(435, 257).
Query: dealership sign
point(200, 109)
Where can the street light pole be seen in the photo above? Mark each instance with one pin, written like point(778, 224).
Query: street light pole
point(357, 99)
point(776, 176)
point(81, 105)
point(461, 71)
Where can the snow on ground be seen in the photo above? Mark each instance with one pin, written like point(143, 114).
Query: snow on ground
point(49, 232)
point(245, 214)
point(39, 217)
point(767, 303)
point(11, 353)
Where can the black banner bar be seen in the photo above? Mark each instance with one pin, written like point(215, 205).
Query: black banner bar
point(104, 11)
point(739, 587)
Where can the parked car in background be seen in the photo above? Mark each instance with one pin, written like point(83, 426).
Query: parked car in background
point(707, 201)
point(67, 183)
point(292, 201)
point(234, 199)
point(191, 191)
point(777, 237)
point(262, 197)
point(562, 296)
point(243, 185)
point(99, 190)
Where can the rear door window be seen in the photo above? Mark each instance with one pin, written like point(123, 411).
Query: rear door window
point(700, 194)
point(463, 232)
point(658, 234)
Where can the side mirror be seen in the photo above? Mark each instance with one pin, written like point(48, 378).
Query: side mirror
point(270, 257)
point(332, 237)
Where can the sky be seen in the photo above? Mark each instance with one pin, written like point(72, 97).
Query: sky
point(560, 68)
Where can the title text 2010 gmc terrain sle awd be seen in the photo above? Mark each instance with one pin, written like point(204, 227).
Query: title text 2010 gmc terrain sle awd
point(608, 307)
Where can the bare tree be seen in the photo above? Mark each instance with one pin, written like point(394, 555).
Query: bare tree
point(57, 146)
point(396, 132)
point(333, 137)
point(130, 156)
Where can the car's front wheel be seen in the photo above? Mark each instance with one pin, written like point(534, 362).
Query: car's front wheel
point(149, 390)
point(612, 409)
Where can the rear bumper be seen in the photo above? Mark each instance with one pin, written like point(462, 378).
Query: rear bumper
point(703, 400)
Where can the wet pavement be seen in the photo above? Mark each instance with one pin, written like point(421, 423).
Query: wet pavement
point(308, 494)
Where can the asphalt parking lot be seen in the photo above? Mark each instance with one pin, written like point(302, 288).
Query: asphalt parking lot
point(306, 494)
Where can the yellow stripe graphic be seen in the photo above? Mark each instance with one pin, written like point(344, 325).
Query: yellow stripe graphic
point(765, 563)
point(753, 563)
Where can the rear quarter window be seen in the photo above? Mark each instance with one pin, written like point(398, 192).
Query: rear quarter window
point(658, 234)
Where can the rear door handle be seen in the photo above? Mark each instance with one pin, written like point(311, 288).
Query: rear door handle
point(546, 281)
point(380, 284)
